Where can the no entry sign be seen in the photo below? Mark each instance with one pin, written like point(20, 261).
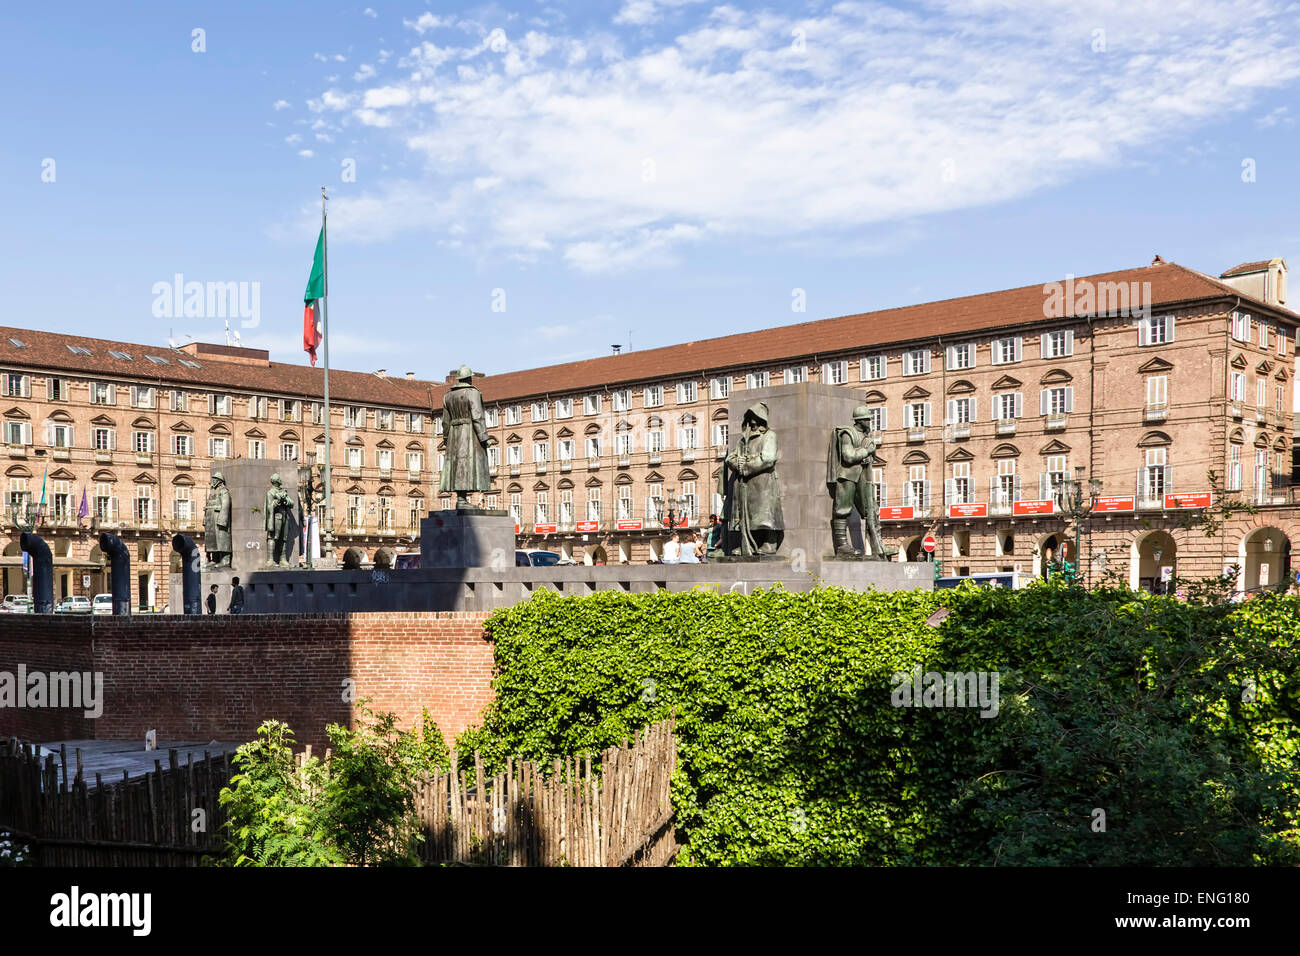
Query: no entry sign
point(929, 543)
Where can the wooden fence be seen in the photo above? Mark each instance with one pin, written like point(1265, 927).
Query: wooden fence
point(617, 815)
point(149, 820)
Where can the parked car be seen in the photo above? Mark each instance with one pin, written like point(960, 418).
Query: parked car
point(535, 557)
point(407, 562)
point(102, 604)
point(16, 604)
point(73, 605)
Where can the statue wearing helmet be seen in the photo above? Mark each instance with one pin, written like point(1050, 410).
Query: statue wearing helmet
point(849, 459)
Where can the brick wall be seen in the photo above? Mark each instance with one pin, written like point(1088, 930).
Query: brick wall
point(218, 678)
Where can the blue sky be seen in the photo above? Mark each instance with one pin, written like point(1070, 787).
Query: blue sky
point(632, 170)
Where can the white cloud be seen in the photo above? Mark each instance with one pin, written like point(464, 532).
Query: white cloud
point(364, 72)
point(306, 153)
point(641, 12)
point(427, 21)
point(754, 123)
point(293, 138)
point(1278, 117)
point(369, 12)
point(280, 105)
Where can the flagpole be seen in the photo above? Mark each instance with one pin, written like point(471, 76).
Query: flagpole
point(328, 549)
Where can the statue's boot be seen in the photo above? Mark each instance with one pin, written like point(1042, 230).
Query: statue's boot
point(840, 537)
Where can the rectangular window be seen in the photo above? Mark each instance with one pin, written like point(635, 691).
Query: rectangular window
point(961, 411)
point(720, 435)
point(1156, 330)
point(654, 396)
point(872, 367)
point(60, 436)
point(916, 362)
point(541, 451)
point(542, 508)
point(384, 419)
point(256, 448)
point(102, 393)
point(1263, 335)
point(541, 411)
point(490, 416)
point(384, 460)
point(796, 374)
point(18, 433)
point(1058, 344)
point(219, 404)
point(353, 417)
point(256, 406)
point(916, 492)
point(1057, 401)
point(624, 502)
point(1234, 468)
point(1261, 390)
point(103, 439)
point(623, 444)
point(654, 441)
point(758, 379)
point(17, 385)
point(621, 399)
point(56, 389)
point(353, 457)
point(1007, 405)
point(514, 455)
point(593, 446)
point(517, 507)
point(918, 414)
point(142, 442)
point(493, 457)
point(144, 504)
point(688, 438)
point(514, 414)
point(415, 462)
point(1279, 395)
point(180, 401)
point(1241, 326)
point(961, 488)
point(415, 424)
point(1236, 387)
point(591, 403)
point(141, 397)
point(288, 451)
point(879, 417)
point(288, 410)
point(654, 496)
point(1155, 474)
point(719, 387)
point(687, 392)
point(565, 449)
point(564, 408)
point(835, 373)
point(566, 506)
point(218, 447)
point(961, 356)
point(593, 504)
point(1007, 350)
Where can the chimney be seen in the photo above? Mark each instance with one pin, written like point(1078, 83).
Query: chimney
point(616, 348)
point(410, 376)
point(382, 373)
point(1264, 280)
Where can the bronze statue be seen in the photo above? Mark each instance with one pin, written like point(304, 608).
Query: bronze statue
point(465, 433)
point(279, 519)
point(849, 460)
point(755, 512)
point(216, 523)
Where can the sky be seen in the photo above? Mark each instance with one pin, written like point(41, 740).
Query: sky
point(520, 184)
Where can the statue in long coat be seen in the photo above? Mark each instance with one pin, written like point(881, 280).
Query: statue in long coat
point(756, 508)
point(466, 437)
point(216, 523)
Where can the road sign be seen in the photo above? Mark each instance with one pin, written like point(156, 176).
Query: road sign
point(929, 543)
point(85, 580)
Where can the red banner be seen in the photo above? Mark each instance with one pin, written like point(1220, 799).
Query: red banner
point(969, 510)
point(1114, 503)
point(586, 526)
point(544, 528)
point(1195, 499)
point(629, 524)
point(897, 513)
point(1042, 506)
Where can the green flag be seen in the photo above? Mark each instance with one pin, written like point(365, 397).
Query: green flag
point(311, 336)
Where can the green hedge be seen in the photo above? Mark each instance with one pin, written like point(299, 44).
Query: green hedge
point(791, 751)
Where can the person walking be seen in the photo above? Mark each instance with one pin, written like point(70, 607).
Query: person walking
point(212, 600)
point(236, 597)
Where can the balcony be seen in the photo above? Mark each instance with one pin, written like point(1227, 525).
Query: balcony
point(625, 461)
point(1153, 483)
point(593, 464)
point(354, 471)
point(1055, 422)
point(539, 467)
point(1155, 412)
point(182, 461)
point(103, 457)
point(1261, 415)
point(413, 474)
point(385, 472)
point(515, 470)
point(143, 458)
point(656, 458)
point(958, 432)
point(1005, 426)
point(17, 451)
point(916, 434)
point(566, 464)
point(1234, 409)
point(688, 454)
point(61, 454)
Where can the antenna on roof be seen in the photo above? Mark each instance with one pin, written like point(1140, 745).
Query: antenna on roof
point(227, 331)
point(171, 339)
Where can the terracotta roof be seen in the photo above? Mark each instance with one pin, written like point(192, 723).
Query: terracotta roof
point(48, 350)
point(1247, 267)
point(1170, 284)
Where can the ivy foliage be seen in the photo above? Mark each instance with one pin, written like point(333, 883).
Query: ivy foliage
point(1177, 721)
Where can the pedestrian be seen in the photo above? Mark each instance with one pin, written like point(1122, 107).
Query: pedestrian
point(672, 552)
point(689, 549)
point(212, 600)
point(236, 597)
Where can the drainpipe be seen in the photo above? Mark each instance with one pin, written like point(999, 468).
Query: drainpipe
point(120, 565)
point(1092, 445)
point(191, 586)
point(42, 572)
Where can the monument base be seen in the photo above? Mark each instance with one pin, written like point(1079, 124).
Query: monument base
point(461, 539)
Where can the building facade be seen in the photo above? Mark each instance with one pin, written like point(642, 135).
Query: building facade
point(122, 437)
point(1170, 389)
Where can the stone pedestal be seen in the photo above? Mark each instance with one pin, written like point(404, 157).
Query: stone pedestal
point(467, 539)
point(248, 480)
point(802, 416)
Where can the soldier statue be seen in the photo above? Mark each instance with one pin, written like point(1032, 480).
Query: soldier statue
point(755, 509)
point(279, 520)
point(216, 523)
point(466, 437)
point(849, 460)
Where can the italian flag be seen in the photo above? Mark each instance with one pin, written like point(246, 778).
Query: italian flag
point(311, 336)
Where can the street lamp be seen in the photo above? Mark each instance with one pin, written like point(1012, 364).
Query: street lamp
point(1077, 503)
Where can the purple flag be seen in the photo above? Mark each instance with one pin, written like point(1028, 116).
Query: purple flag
point(83, 511)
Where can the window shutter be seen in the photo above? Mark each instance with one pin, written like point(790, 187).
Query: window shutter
point(884, 495)
point(1019, 403)
point(997, 408)
point(1069, 341)
point(1042, 345)
point(926, 414)
point(951, 359)
point(952, 412)
point(1144, 332)
point(72, 443)
point(112, 439)
point(1169, 328)
point(974, 408)
point(1019, 343)
point(49, 434)
point(1042, 401)
point(925, 367)
point(926, 502)
point(1044, 485)
point(1017, 491)
point(112, 394)
point(1069, 398)
point(949, 491)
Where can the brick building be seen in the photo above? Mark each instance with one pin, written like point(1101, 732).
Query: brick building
point(135, 429)
point(1147, 380)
